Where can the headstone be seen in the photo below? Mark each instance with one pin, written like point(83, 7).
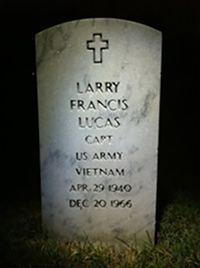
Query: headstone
point(98, 98)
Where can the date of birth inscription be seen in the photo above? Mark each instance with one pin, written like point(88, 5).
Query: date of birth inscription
point(98, 188)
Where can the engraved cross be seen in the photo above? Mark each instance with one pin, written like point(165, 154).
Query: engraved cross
point(97, 44)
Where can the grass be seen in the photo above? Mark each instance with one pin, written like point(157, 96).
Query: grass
point(25, 244)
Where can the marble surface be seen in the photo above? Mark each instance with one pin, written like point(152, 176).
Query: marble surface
point(98, 98)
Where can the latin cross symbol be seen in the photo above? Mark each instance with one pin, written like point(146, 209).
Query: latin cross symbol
point(97, 44)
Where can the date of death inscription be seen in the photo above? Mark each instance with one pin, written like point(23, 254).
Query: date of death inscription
point(100, 203)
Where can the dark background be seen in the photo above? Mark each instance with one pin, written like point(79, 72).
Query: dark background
point(179, 113)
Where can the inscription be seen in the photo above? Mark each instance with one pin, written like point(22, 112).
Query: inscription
point(110, 105)
point(120, 188)
point(96, 105)
point(97, 45)
point(79, 188)
point(100, 171)
point(98, 139)
point(82, 187)
point(98, 87)
point(107, 156)
point(100, 203)
point(99, 156)
point(98, 122)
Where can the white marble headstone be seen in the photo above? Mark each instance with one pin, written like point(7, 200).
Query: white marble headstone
point(98, 97)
